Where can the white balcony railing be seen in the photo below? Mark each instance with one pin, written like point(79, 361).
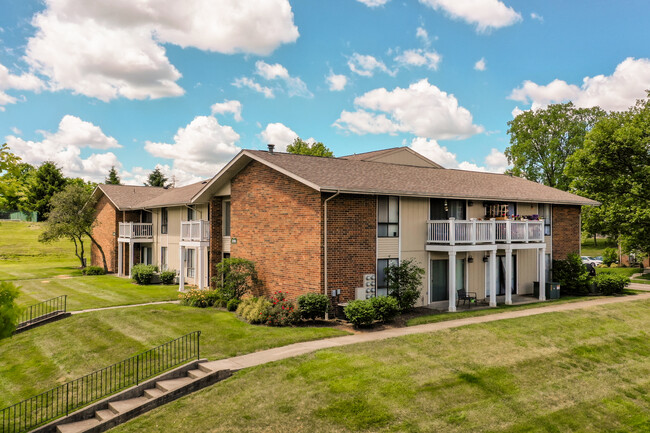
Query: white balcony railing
point(195, 231)
point(136, 230)
point(473, 232)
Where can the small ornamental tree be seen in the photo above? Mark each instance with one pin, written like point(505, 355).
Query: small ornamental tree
point(572, 275)
point(235, 277)
point(610, 255)
point(404, 282)
point(9, 310)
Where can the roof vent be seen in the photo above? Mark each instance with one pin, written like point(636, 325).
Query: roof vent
point(271, 147)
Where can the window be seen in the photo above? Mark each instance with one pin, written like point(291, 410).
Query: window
point(163, 258)
point(443, 209)
point(145, 255)
point(189, 259)
point(382, 264)
point(226, 218)
point(164, 218)
point(145, 216)
point(191, 214)
point(388, 216)
point(546, 213)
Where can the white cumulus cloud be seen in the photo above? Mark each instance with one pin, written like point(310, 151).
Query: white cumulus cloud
point(201, 148)
point(422, 109)
point(422, 34)
point(116, 49)
point(278, 134)
point(228, 106)
point(615, 92)
point(365, 65)
point(420, 57)
point(9, 81)
point(373, 3)
point(295, 86)
point(494, 162)
point(253, 85)
point(64, 147)
point(336, 82)
point(480, 64)
point(484, 14)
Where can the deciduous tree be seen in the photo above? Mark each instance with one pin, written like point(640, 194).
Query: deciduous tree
point(542, 140)
point(300, 147)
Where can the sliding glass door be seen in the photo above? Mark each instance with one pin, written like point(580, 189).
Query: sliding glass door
point(501, 276)
point(440, 278)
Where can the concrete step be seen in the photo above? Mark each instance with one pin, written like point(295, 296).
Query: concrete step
point(78, 427)
point(205, 368)
point(196, 374)
point(153, 393)
point(104, 415)
point(126, 405)
point(172, 384)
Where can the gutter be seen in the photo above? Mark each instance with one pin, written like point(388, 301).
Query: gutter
point(325, 245)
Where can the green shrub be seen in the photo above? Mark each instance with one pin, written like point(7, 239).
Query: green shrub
point(404, 282)
point(168, 277)
point(386, 308)
point(572, 275)
point(609, 284)
point(360, 312)
point(235, 277)
point(313, 305)
point(196, 298)
point(610, 255)
point(215, 299)
point(142, 274)
point(9, 310)
point(254, 310)
point(93, 270)
point(233, 304)
point(282, 311)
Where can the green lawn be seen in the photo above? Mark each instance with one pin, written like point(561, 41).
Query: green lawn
point(578, 371)
point(588, 248)
point(93, 291)
point(626, 272)
point(643, 279)
point(36, 360)
point(461, 314)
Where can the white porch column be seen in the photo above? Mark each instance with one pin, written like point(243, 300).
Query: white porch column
point(451, 281)
point(120, 259)
point(130, 258)
point(541, 256)
point(200, 270)
point(508, 275)
point(493, 278)
point(181, 270)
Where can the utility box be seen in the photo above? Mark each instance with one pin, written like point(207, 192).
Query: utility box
point(552, 290)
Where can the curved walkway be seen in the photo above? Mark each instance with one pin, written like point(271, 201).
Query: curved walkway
point(270, 355)
point(90, 310)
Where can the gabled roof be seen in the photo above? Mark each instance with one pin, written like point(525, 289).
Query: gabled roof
point(368, 177)
point(397, 153)
point(128, 197)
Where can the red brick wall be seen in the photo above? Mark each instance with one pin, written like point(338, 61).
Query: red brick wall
point(277, 223)
point(352, 242)
point(565, 231)
point(105, 233)
point(216, 226)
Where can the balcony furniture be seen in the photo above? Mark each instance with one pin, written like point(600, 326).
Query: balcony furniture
point(464, 295)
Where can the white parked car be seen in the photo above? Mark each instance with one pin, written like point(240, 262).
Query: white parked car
point(593, 260)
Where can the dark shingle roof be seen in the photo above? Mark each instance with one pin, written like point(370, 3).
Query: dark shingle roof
point(350, 175)
point(126, 197)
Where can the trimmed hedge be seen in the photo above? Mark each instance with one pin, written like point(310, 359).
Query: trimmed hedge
point(313, 305)
point(142, 274)
point(360, 312)
point(386, 308)
point(609, 284)
point(168, 277)
point(93, 270)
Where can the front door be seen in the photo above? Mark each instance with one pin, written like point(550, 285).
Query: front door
point(501, 276)
point(440, 278)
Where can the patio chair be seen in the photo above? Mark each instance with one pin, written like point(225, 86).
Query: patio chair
point(465, 296)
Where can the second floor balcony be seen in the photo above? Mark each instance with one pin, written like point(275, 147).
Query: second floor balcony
point(195, 231)
point(472, 232)
point(136, 231)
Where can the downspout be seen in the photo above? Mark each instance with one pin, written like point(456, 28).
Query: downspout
point(325, 246)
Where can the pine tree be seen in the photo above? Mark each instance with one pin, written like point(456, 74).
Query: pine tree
point(157, 178)
point(113, 178)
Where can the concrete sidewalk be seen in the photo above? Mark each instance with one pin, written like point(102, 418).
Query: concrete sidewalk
point(123, 306)
point(284, 352)
point(639, 286)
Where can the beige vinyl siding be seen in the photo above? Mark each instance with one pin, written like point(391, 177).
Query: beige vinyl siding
point(413, 218)
point(476, 274)
point(476, 210)
point(404, 158)
point(527, 269)
point(387, 248)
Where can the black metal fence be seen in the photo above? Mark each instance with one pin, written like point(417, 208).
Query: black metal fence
point(43, 310)
point(66, 398)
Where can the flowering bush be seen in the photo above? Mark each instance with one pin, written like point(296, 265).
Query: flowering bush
point(282, 312)
point(195, 298)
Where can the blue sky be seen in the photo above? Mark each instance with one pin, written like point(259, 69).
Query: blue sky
point(186, 85)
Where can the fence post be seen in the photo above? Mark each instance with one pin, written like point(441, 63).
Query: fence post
point(67, 392)
point(198, 345)
point(137, 369)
